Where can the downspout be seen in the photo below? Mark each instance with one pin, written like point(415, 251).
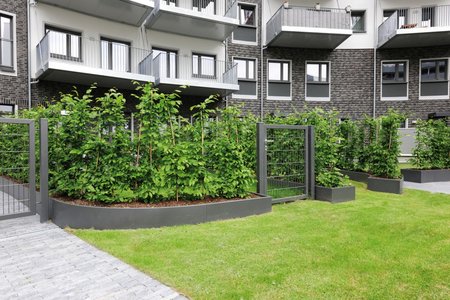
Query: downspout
point(261, 61)
point(29, 53)
point(374, 114)
point(225, 43)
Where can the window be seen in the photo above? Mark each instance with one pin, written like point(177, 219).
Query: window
point(427, 16)
point(246, 32)
point(116, 55)
point(204, 6)
point(167, 61)
point(318, 81)
point(203, 66)
point(279, 79)
point(434, 78)
point(394, 80)
point(247, 15)
point(171, 3)
point(6, 44)
point(64, 44)
point(246, 76)
point(358, 21)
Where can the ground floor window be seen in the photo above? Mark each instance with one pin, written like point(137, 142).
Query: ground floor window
point(434, 79)
point(246, 70)
point(394, 80)
point(318, 81)
point(279, 80)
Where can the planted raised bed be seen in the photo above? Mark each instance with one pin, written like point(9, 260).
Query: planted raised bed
point(335, 195)
point(356, 176)
point(385, 185)
point(66, 214)
point(423, 176)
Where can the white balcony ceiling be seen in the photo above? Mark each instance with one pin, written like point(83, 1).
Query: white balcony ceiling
point(421, 37)
point(132, 12)
point(191, 23)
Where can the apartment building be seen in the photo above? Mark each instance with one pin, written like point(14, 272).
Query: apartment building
point(270, 56)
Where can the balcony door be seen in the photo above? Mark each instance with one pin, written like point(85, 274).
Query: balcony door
point(204, 6)
point(64, 44)
point(115, 55)
point(167, 62)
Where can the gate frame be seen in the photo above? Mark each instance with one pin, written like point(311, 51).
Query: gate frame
point(31, 163)
point(261, 158)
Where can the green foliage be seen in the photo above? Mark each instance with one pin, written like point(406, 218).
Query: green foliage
point(432, 150)
point(384, 147)
point(351, 145)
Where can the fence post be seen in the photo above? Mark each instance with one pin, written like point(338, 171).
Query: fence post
point(261, 159)
point(43, 143)
point(311, 165)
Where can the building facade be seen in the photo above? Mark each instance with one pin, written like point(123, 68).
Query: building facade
point(268, 56)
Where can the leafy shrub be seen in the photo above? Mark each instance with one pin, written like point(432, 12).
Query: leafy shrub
point(384, 147)
point(351, 145)
point(432, 150)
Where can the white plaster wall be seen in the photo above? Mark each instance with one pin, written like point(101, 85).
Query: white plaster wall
point(92, 27)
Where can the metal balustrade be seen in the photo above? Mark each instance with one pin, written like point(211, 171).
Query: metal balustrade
point(409, 18)
point(87, 52)
point(208, 7)
point(297, 16)
point(204, 69)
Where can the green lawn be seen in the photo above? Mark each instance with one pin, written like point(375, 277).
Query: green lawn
point(380, 246)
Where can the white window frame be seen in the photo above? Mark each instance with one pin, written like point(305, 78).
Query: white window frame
point(14, 36)
point(406, 81)
point(267, 80)
point(447, 97)
point(248, 97)
point(319, 99)
point(256, 26)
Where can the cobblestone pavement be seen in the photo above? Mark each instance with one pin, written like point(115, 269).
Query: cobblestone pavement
point(42, 261)
point(434, 187)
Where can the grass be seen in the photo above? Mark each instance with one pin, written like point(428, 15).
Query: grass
point(381, 246)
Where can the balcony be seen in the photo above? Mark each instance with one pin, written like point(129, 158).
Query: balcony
point(73, 59)
point(305, 27)
point(132, 12)
point(208, 19)
point(202, 75)
point(416, 27)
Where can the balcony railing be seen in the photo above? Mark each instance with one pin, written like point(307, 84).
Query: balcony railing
point(419, 17)
point(225, 8)
point(189, 70)
point(296, 16)
point(113, 57)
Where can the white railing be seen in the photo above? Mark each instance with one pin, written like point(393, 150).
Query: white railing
point(91, 53)
point(207, 7)
point(418, 17)
point(327, 18)
point(193, 68)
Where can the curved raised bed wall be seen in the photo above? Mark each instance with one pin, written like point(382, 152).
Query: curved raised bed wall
point(78, 216)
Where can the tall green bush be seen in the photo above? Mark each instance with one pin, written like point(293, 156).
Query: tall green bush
point(351, 145)
point(432, 150)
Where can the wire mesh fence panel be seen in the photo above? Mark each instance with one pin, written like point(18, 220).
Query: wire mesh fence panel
point(17, 168)
point(284, 165)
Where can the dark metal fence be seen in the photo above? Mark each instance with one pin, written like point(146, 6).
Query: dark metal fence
point(17, 168)
point(285, 161)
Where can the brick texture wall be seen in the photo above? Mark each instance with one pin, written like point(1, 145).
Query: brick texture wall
point(14, 89)
point(413, 107)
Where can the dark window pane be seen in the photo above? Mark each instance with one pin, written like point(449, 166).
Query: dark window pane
point(247, 15)
point(428, 70)
point(358, 21)
point(389, 71)
point(442, 70)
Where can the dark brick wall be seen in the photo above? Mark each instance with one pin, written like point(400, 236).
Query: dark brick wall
point(413, 107)
point(250, 51)
point(14, 89)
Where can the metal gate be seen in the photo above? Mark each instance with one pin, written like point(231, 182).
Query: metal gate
point(17, 168)
point(285, 167)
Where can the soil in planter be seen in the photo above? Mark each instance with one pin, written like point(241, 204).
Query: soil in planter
point(136, 204)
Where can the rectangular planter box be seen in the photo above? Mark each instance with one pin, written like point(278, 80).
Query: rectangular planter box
point(423, 176)
point(385, 185)
point(335, 195)
point(356, 176)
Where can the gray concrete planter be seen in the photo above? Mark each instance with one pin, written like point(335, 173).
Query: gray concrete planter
point(423, 176)
point(355, 175)
point(79, 216)
point(335, 195)
point(385, 185)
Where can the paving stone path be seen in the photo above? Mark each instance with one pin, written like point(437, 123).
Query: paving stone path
point(434, 187)
point(42, 261)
